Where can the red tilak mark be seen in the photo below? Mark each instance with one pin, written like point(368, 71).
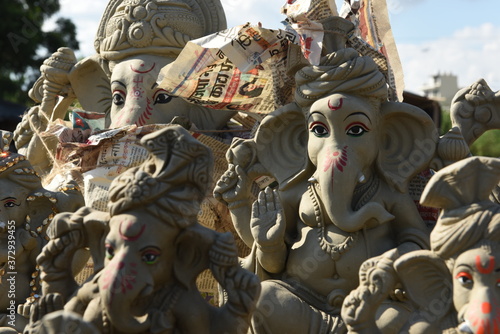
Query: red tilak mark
point(482, 269)
point(337, 107)
point(124, 230)
point(138, 80)
point(142, 72)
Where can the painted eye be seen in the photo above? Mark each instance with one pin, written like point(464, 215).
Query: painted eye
point(110, 251)
point(10, 204)
point(118, 97)
point(464, 278)
point(162, 98)
point(319, 129)
point(150, 257)
point(356, 129)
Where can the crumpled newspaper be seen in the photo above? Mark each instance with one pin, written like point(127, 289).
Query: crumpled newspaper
point(240, 69)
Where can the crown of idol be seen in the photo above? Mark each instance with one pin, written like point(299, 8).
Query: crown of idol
point(161, 27)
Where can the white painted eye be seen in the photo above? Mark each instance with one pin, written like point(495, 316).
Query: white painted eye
point(464, 278)
point(110, 251)
point(118, 98)
point(150, 256)
point(356, 130)
point(162, 98)
point(319, 129)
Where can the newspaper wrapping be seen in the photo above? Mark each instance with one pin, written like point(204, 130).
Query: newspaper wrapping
point(373, 37)
point(103, 156)
point(234, 69)
point(245, 68)
point(305, 17)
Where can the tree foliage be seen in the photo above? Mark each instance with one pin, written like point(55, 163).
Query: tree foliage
point(24, 45)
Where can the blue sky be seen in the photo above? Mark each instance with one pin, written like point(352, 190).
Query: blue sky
point(461, 37)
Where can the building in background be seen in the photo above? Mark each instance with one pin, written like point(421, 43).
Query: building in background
point(441, 88)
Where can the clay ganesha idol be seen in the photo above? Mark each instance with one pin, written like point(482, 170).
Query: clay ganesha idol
point(26, 210)
point(342, 197)
point(148, 250)
point(453, 287)
point(135, 39)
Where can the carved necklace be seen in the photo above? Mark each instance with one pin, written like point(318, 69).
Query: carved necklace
point(334, 250)
point(366, 192)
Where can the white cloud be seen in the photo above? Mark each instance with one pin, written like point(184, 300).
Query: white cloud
point(470, 53)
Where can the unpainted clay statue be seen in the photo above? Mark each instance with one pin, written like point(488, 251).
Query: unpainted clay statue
point(26, 210)
point(343, 157)
point(475, 109)
point(451, 288)
point(134, 41)
point(148, 251)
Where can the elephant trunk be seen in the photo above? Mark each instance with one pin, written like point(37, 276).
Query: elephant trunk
point(120, 287)
point(481, 314)
point(338, 175)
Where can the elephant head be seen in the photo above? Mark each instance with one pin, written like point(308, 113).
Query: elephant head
point(475, 288)
point(140, 254)
point(351, 141)
point(136, 99)
point(356, 137)
point(467, 236)
point(135, 40)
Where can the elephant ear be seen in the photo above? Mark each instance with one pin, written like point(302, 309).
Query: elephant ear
point(426, 280)
point(407, 143)
point(90, 80)
point(281, 143)
point(192, 247)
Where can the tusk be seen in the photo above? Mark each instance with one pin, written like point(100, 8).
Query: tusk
point(312, 179)
point(465, 327)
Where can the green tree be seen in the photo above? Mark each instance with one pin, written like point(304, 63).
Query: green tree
point(24, 45)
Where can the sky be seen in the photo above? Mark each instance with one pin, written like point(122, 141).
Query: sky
point(460, 37)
